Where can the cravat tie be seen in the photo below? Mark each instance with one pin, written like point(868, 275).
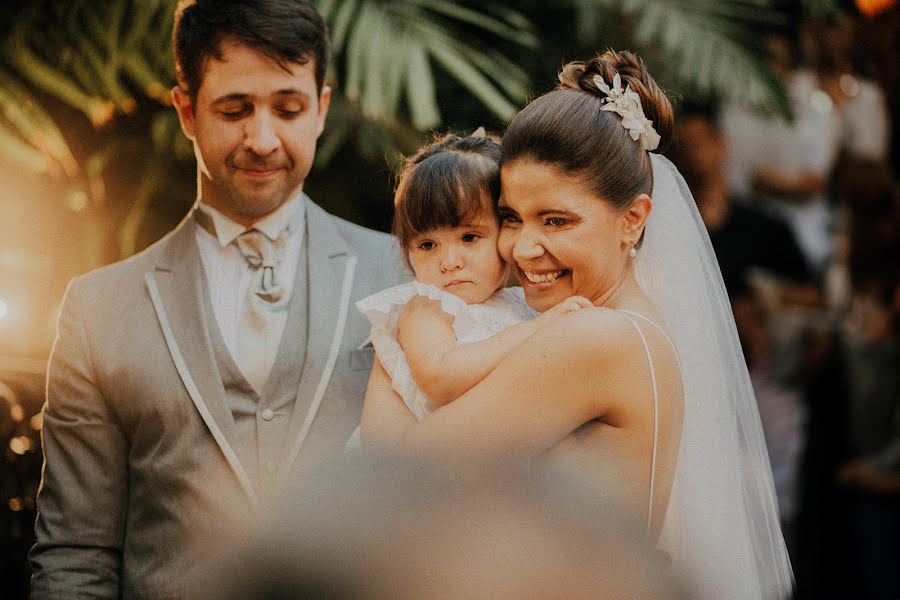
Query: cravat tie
point(258, 331)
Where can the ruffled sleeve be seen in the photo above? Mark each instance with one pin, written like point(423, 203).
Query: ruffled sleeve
point(383, 311)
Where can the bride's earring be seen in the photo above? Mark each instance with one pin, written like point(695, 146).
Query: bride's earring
point(632, 251)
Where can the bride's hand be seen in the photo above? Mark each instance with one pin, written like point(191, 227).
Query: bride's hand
point(569, 305)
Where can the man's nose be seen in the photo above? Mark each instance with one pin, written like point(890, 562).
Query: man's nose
point(261, 135)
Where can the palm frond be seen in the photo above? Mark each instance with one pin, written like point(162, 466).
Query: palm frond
point(88, 58)
point(386, 52)
point(518, 30)
point(709, 45)
point(31, 132)
point(819, 9)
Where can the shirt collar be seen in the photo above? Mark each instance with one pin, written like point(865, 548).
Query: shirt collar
point(289, 216)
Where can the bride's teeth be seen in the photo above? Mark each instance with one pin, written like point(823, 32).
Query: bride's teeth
point(543, 277)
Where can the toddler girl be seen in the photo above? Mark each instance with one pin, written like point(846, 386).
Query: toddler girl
point(441, 334)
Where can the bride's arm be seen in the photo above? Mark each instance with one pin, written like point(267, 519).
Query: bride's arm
point(385, 417)
point(543, 390)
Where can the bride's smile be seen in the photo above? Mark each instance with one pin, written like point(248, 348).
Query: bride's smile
point(540, 277)
point(548, 219)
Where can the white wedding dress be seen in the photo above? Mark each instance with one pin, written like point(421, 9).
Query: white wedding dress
point(471, 323)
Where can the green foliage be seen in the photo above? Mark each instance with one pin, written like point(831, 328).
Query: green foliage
point(105, 60)
point(400, 68)
point(385, 55)
point(821, 9)
point(710, 47)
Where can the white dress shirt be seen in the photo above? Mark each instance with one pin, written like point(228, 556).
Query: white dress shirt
point(227, 273)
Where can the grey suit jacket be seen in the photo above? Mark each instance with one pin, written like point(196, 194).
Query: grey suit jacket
point(139, 445)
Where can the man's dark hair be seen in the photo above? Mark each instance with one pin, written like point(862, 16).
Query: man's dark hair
point(288, 31)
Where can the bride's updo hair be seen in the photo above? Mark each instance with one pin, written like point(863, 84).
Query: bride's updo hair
point(568, 128)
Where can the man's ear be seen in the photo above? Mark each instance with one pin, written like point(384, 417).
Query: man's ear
point(636, 216)
point(182, 102)
point(324, 103)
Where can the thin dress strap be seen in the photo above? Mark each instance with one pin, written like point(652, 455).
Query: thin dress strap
point(655, 410)
point(655, 324)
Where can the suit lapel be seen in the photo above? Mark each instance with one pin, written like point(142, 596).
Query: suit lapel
point(331, 268)
point(176, 289)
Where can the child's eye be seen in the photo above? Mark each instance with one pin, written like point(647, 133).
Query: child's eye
point(470, 237)
point(427, 245)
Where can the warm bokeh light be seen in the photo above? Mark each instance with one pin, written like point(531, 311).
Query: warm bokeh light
point(872, 8)
point(39, 253)
point(20, 445)
point(8, 396)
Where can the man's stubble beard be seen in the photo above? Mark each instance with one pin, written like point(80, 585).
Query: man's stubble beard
point(250, 206)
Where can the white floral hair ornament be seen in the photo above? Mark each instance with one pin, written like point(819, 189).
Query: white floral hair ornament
point(627, 104)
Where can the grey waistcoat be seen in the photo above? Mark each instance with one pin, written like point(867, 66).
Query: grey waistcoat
point(261, 420)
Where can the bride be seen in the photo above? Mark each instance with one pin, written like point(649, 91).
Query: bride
point(646, 395)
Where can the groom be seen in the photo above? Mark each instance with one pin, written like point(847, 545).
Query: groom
point(189, 382)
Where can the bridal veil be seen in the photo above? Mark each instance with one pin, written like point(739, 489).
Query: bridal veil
point(721, 526)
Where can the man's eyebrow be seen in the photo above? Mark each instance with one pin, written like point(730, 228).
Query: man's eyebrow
point(236, 97)
point(239, 97)
point(291, 92)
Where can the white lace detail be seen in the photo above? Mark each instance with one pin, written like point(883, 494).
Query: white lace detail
point(471, 323)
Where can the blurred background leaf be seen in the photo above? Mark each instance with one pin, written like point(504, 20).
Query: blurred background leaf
point(87, 133)
point(700, 47)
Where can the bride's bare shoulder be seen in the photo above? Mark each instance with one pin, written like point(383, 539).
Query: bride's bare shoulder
point(590, 333)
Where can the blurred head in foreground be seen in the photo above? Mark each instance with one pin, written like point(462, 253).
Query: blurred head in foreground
point(398, 531)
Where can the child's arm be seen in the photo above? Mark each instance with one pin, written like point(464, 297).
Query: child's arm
point(445, 371)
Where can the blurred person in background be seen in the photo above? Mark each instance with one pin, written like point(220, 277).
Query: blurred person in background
point(860, 101)
point(785, 166)
point(870, 344)
point(837, 115)
point(766, 277)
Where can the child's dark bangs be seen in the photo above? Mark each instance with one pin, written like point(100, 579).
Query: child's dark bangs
point(477, 180)
point(444, 191)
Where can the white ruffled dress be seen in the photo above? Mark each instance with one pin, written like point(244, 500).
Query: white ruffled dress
point(472, 323)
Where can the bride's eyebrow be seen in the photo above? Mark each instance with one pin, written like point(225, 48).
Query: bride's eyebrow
point(557, 211)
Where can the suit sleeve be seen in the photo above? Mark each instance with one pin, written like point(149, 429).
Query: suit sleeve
point(84, 487)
